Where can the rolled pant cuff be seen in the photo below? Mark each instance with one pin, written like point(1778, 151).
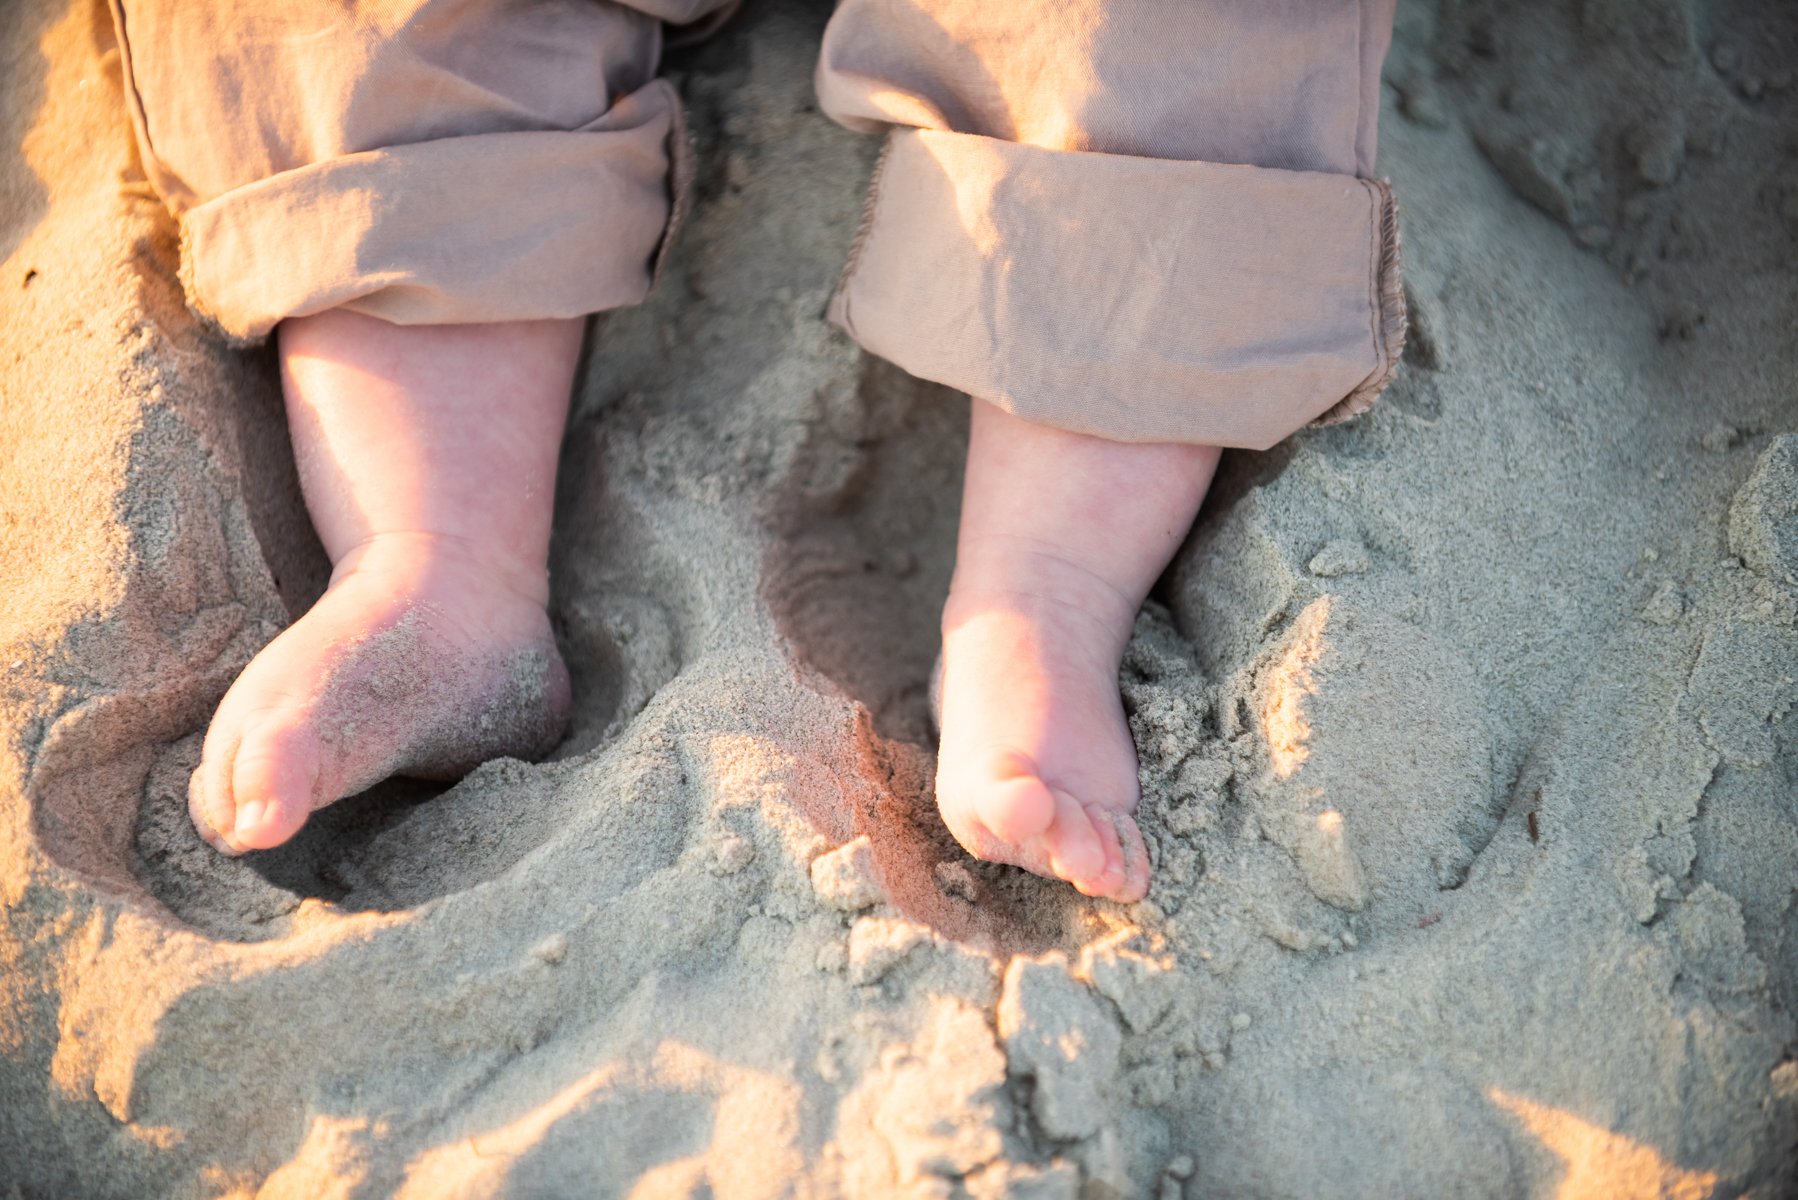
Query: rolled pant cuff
point(489, 227)
point(1136, 299)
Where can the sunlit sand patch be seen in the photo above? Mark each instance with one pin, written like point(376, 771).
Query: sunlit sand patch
point(1460, 652)
point(753, 1118)
point(331, 1164)
point(1288, 684)
point(1602, 1165)
point(486, 1156)
point(103, 1058)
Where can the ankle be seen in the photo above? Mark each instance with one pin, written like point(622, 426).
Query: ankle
point(1027, 622)
point(1036, 578)
point(430, 561)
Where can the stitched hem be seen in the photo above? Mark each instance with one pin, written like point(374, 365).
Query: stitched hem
point(838, 309)
point(993, 267)
point(367, 231)
point(190, 290)
point(682, 172)
point(1391, 319)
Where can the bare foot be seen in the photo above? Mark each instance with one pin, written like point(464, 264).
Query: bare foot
point(427, 455)
point(1062, 535)
point(414, 662)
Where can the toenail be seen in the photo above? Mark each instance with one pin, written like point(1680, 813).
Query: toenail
point(249, 816)
point(1068, 865)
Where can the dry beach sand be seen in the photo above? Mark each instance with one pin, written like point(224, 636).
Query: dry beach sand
point(1466, 728)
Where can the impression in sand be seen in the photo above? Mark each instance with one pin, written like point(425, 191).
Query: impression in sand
point(427, 342)
point(1464, 729)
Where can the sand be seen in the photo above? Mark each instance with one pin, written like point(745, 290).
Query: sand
point(1467, 728)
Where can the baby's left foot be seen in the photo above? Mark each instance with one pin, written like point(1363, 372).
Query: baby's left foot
point(1062, 535)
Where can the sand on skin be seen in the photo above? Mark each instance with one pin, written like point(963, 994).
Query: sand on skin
point(1466, 727)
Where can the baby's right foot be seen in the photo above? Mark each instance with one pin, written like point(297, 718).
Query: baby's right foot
point(416, 661)
point(1062, 535)
point(428, 458)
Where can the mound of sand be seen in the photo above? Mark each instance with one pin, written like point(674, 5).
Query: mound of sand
point(1467, 728)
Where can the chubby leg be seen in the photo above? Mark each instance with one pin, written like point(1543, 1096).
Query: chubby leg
point(427, 455)
point(1062, 535)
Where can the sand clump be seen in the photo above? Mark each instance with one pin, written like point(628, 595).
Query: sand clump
point(1466, 728)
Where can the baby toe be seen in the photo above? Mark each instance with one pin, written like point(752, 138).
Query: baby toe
point(273, 781)
point(213, 814)
point(1013, 803)
point(1133, 882)
point(1109, 875)
point(1074, 847)
point(210, 805)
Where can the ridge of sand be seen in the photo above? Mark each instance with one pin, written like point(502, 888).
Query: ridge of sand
point(1467, 728)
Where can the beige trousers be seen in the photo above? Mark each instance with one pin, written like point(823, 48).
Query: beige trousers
point(1151, 220)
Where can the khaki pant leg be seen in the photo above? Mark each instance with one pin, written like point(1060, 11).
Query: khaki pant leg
point(422, 161)
point(1150, 220)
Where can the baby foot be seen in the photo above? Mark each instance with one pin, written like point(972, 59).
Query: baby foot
point(427, 455)
point(417, 660)
point(1062, 535)
point(1036, 767)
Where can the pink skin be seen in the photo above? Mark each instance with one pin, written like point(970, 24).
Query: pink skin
point(1062, 535)
point(427, 455)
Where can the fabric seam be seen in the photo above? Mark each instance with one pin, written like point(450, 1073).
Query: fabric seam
point(1388, 317)
point(862, 231)
point(140, 116)
point(682, 176)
